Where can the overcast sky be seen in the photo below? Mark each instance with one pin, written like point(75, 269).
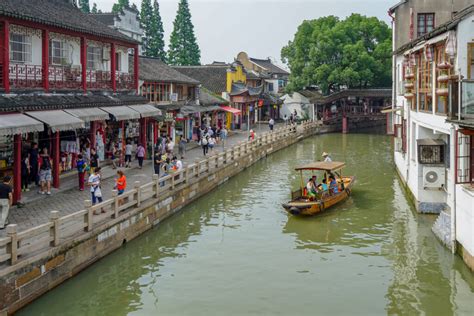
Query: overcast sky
point(259, 27)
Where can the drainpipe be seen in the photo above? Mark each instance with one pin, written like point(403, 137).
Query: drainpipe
point(453, 177)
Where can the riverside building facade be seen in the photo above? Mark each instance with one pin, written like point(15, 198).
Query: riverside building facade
point(433, 112)
point(65, 83)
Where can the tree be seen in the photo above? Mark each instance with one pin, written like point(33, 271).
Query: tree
point(117, 7)
point(183, 48)
point(94, 8)
point(157, 42)
point(336, 54)
point(84, 6)
point(146, 20)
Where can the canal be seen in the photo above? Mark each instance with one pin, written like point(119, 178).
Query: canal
point(236, 251)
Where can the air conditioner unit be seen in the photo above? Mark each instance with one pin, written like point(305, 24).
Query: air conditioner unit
point(174, 97)
point(434, 177)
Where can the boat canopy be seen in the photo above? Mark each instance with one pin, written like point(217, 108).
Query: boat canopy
point(322, 165)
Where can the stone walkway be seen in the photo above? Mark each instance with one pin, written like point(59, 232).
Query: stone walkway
point(69, 199)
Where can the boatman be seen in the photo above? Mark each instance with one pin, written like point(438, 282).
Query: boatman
point(326, 157)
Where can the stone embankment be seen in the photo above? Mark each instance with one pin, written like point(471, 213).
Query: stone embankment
point(36, 260)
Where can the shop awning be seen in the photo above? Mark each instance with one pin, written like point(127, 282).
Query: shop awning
point(146, 110)
point(14, 124)
point(58, 120)
point(89, 114)
point(212, 108)
point(121, 113)
point(230, 109)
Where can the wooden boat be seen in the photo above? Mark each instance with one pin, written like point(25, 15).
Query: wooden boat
point(301, 204)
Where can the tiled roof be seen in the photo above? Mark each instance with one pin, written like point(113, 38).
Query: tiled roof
point(269, 66)
point(58, 102)
point(239, 88)
point(206, 98)
point(59, 13)
point(213, 78)
point(105, 18)
point(153, 69)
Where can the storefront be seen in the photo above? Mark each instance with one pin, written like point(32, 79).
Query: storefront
point(232, 119)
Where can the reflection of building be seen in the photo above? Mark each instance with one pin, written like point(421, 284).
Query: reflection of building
point(433, 106)
point(65, 83)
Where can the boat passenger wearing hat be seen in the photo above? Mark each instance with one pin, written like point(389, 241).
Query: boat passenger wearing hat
point(326, 157)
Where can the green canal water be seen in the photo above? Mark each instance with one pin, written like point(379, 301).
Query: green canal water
point(236, 252)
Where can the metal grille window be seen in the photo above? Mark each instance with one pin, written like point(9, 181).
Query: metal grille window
point(464, 156)
point(58, 52)
point(431, 151)
point(94, 57)
point(425, 23)
point(20, 48)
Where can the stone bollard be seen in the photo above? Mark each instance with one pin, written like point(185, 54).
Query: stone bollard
point(12, 247)
point(116, 203)
point(136, 186)
point(54, 230)
point(88, 217)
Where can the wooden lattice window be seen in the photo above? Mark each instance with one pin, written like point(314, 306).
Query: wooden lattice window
point(425, 83)
point(442, 77)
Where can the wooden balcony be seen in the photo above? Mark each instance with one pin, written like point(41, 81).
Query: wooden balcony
point(65, 77)
point(24, 76)
point(125, 81)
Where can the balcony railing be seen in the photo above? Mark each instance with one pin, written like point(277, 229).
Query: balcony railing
point(125, 81)
point(65, 77)
point(24, 76)
point(98, 79)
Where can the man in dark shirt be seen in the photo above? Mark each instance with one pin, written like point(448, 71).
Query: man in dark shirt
point(94, 163)
point(6, 199)
point(34, 163)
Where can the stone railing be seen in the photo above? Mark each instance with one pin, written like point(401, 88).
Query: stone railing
point(59, 231)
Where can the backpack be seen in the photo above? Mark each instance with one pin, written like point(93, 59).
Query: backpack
point(204, 141)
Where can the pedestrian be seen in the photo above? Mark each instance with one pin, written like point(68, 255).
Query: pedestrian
point(114, 156)
point(285, 119)
point(128, 154)
point(165, 168)
point(140, 155)
point(34, 163)
point(45, 175)
point(224, 136)
point(94, 160)
point(182, 146)
point(211, 142)
point(94, 183)
point(157, 162)
point(295, 115)
point(252, 135)
point(25, 172)
point(205, 144)
point(170, 146)
point(178, 164)
point(6, 200)
point(120, 182)
point(271, 123)
point(81, 166)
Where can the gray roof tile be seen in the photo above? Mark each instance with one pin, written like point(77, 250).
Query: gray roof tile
point(153, 69)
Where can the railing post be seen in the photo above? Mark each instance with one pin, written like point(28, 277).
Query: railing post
point(207, 165)
point(116, 203)
point(186, 175)
point(54, 230)
point(136, 186)
point(156, 179)
point(88, 216)
point(12, 248)
point(172, 181)
point(198, 165)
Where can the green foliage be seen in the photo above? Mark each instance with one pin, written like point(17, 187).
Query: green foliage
point(183, 48)
point(334, 54)
point(153, 41)
point(117, 7)
point(94, 8)
point(84, 6)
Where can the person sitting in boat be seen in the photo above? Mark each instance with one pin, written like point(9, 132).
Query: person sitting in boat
point(333, 185)
point(326, 157)
point(311, 188)
point(324, 187)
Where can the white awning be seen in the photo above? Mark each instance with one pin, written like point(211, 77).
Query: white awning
point(14, 124)
point(146, 110)
point(89, 114)
point(58, 120)
point(122, 113)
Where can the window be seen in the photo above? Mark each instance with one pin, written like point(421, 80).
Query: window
point(118, 62)
point(431, 154)
point(270, 87)
point(470, 60)
point(94, 57)
point(156, 92)
point(425, 84)
point(442, 77)
point(20, 48)
point(425, 23)
point(465, 156)
point(180, 92)
point(58, 52)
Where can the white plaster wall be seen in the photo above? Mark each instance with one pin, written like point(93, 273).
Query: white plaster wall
point(465, 34)
point(465, 218)
point(36, 50)
point(275, 85)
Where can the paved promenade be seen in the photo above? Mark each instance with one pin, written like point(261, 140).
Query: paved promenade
point(69, 199)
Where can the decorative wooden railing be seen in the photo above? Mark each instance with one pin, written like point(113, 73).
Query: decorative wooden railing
point(24, 76)
point(125, 81)
point(65, 77)
point(98, 79)
point(60, 230)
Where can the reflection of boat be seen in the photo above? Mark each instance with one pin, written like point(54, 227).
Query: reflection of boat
point(303, 204)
